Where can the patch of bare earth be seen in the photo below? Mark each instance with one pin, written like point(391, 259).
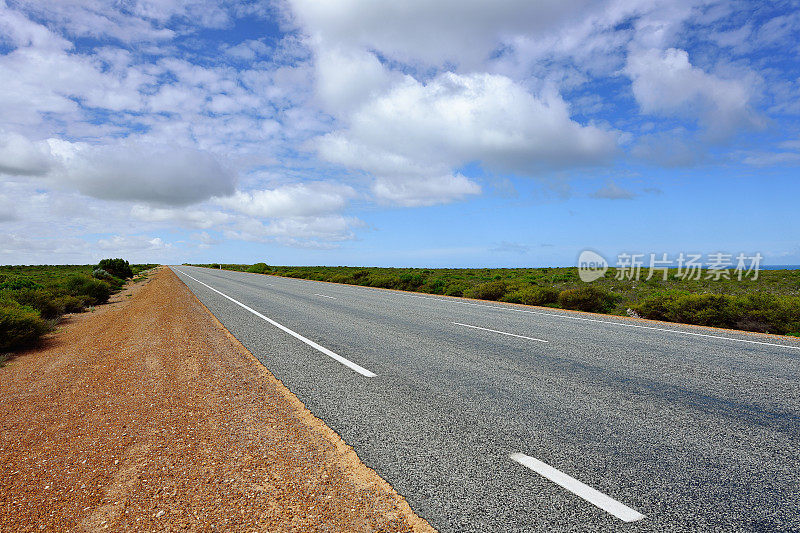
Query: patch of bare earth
point(146, 415)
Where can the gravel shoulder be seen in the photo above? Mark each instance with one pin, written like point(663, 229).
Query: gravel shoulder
point(148, 415)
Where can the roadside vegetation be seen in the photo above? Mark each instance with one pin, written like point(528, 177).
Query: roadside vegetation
point(33, 298)
point(770, 304)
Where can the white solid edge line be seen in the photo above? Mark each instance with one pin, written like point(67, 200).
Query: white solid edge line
point(346, 362)
point(324, 296)
point(595, 497)
point(556, 315)
point(500, 332)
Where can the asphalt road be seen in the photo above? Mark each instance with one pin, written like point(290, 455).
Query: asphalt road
point(696, 429)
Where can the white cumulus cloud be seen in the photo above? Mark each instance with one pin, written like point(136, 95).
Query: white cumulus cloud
point(300, 199)
point(416, 133)
point(431, 190)
point(348, 76)
point(666, 83)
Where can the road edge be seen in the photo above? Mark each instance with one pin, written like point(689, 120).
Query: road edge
point(360, 473)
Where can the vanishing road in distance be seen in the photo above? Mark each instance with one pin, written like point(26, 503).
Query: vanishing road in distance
point(494, 417)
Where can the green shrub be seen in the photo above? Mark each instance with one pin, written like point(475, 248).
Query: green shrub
point(776, 314)
point(362, 273)
point(456, 289)
point(119, 268)
point(532, 296)
point(70, 304)
point(336, 278)
point(437, 285)
point(20, 326)
point(409, 281)
point(592, 299)
point(762, 312)
point(51, 303)
point(680, 306)
point(259, 268)
point(491, 290)
point(564, 276)
point(92, 291)
point(99, 273)
point(18, 283)
point(384, 282)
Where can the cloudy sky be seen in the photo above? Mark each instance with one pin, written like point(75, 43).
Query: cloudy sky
point(422, 133)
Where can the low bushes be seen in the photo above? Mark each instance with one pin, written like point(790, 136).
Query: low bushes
point(436, 286)
point(383, 282)
point(679, 306)
point(92, 291)
point(99, 273)
point(456, 288)
point(51, 303)
point(18, 283)
point(336, 278)
point(589, 298)
point(71, 296)
point(762, 312)
point(19, 326)
point(770, 313)
point(409, 281)
point(32, 298)
point(360, 275)
point(532, 296)
point(491, 290)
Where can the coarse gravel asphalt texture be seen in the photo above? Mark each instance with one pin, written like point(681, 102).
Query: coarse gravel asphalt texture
point(696, 432)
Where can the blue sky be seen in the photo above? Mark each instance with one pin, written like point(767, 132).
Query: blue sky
point(417, 133)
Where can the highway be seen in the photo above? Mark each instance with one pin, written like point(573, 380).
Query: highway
point(494, 417)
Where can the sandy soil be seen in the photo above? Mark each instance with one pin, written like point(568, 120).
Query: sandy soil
point(147, 415)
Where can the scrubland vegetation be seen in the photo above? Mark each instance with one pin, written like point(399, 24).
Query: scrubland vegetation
point(770, 304)
point(33, 298)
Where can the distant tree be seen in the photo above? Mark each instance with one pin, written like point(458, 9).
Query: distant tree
point(259, 268)
point(116, 267)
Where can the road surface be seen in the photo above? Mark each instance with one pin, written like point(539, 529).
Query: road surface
point(494, 417)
